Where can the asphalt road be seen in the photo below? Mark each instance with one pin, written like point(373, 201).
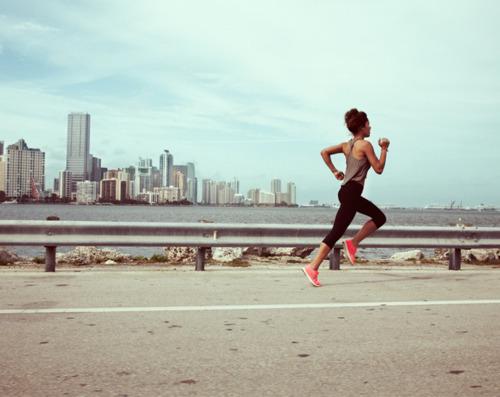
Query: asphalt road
point(248, 332)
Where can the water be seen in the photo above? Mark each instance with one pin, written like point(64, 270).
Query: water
point(309, 215)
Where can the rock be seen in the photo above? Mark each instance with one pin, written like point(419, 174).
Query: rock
point(259, 251)
point(302, 252)
point(180, 254)
point(83, 255)
point(110, 262)
point(7, 256)
point(226, 254)
point(280, 251)
point(441, 253)
point(408, 255)
point(480, 255)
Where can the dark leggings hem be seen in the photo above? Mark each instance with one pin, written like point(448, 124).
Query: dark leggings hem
point(351, 202)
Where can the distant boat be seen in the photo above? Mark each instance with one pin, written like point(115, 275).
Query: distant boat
point(10, 202)
point(435, 207)
point(482, 207)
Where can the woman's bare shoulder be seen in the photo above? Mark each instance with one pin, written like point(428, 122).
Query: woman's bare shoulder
point(364, 144)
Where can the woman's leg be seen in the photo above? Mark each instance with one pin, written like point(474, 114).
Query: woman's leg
point(344, 217)
point(366, 207)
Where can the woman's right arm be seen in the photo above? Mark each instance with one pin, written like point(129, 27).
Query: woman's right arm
point(377, 164)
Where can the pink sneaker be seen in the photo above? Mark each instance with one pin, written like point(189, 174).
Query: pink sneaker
point(312, 275)
point(350, 251)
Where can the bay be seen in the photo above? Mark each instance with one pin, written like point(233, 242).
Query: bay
point(221, 214)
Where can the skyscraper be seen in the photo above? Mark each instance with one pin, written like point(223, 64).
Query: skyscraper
point(3, 173)
point(275, 185)
point(166, 168)
point(65, 182)
point(292, 193)
point(143, 176)
point(25, 170)
point(78, 147)
point(180, 178)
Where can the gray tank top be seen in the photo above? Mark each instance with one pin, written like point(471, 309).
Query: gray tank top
point(356, 169)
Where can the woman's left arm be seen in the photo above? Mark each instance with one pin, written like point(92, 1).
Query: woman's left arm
point(328, 151)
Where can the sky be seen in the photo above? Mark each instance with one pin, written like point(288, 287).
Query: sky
point(256, 89)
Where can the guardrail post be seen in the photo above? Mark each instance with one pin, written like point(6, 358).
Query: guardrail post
point(50, 258)
point(50, 251)
point(200, 258)
point(454, 259)
point(335, 259)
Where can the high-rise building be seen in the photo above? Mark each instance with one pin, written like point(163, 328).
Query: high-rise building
point(253, 195)
point(180, 182)
point(3, 173)
point(275, 185)
point(292, 193)
point(3, 169)
point(192, 190)
point(56, 185)
point(213, 193)
point(166, 168)
point(266, 197)
point(86, 192)
point(78, 146)
point(95, 170)
point(25, 170)
point(180, 178)
point(143, 176)
point(115, 185)
point(235, 185)
point(192, 183)
point(205, 191)
point(65, 183)
point(156, 177)
point(163, 194)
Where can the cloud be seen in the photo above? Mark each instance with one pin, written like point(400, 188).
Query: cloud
point(263, 84)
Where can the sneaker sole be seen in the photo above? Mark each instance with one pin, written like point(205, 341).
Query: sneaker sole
point(347, 254)
point(309, 278)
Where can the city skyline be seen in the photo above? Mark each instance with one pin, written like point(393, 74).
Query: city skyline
point(264, 102)
point(81, 180)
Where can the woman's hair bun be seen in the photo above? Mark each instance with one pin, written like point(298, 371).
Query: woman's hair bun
point(350, 114)
point(355, 120)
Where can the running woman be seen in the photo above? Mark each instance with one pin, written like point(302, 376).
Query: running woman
point(360, 156)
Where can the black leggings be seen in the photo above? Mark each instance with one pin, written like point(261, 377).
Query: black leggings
point(350, 202)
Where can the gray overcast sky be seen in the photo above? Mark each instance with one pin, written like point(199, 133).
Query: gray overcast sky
point(255, 89)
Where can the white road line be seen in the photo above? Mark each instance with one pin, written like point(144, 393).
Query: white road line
point(246, 307)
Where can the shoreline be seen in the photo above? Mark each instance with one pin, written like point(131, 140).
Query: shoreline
point(251, 264)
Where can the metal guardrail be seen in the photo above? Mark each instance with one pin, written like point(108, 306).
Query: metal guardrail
point(52, 234)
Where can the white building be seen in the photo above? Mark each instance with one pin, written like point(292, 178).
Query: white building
point(86, 192)
point(238, 198)
point(266, 197)
point(65, 183)
point(281, 197)
point(253, 196)
point(143, 176)
point(164, 194)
